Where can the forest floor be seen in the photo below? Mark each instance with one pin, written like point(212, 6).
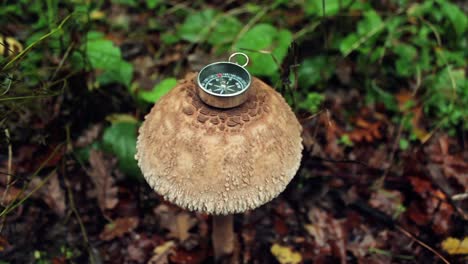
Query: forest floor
point(361, 195)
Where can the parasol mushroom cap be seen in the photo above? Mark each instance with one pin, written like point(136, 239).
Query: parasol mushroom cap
point(219, 161)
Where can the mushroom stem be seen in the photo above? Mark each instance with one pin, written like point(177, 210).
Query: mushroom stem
point(223, 235)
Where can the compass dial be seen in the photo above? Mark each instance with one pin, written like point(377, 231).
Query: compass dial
point(224, 83)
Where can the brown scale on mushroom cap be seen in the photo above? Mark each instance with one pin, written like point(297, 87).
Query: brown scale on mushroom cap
point(219, 161)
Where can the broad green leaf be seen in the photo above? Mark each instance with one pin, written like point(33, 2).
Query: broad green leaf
point(152, 3)
point(120, 139)
point(196, 26)
point(444, 56)
point(122, 73)
point(370, 23)
point(264, 37)
point(169, 38)
point(225, 30)
point(158, 91)
point(376, 54)
point(94, 35)
point(346, 44)
point(405, 64)
point(456, 16)
point(313, 70)
point(282, 42)
point(367, 31)
point(420, 9)
point(449, 78)
point(104, 55)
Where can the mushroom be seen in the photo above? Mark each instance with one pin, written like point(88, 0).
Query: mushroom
point(219, 161)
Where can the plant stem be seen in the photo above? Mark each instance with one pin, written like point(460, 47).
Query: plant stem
point(223, 236)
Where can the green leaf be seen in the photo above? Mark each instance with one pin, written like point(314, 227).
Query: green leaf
point(421, 9)
point(265, 37)
point(152, 3)
point(169, 38)
point(405, 64)
point(282, 42)
point(225, 31)
point(313, 102)
point(104, 55)
point(196, 26)
point(456, 16)
point(404, 144)
point(370, 23)
point(345, 140)
point(347, 43)
point(122, 73)
point(158, 91)
point(313, 70)
point(368, 29)
point(444, 56)
point(120, 139)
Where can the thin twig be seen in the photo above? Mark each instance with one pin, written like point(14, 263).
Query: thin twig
point(408, 234)
point(84, 233)
point(22, 53)
point(9, 165)
point(62, 61)
point(13, 205)
point(460, 196)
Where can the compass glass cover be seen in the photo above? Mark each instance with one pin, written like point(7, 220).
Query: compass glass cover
point(224, 79)
point(224, 83)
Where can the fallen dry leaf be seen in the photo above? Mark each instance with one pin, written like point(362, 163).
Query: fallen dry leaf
point(178, 223)
point(161, 253)
point(388, 201)
point(101, 175)
point(285, 255)
point(140, 246)
point(327, 232)
point(406, 104)
point(453, 165)
point(455, 246)
point(433, 207)
point(12, 195)
point(54, 196)
point(365, 131)
point(118, 228)
point(3, 244)
point(361, 245)
point(182, 256)
point(51, 193)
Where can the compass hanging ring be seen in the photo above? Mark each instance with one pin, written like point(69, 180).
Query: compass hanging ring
point(243, 55)
point(224, 84)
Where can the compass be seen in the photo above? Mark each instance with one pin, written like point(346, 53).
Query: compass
point(224, 84)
